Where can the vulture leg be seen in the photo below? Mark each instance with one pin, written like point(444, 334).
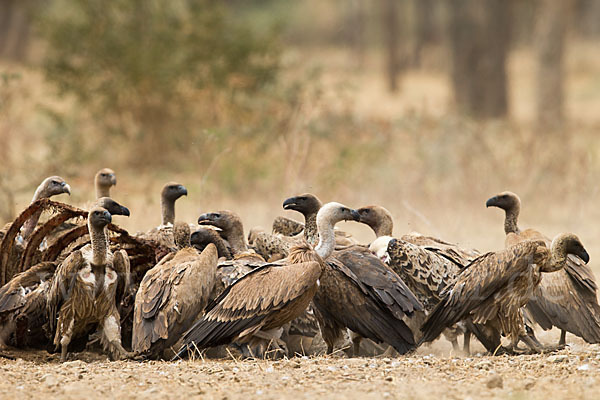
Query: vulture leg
point(532, 344)
point(563, 338)
point(65, 340)
point(467, 342)
point(455, 346)
point(111, 337)
point(356, 339)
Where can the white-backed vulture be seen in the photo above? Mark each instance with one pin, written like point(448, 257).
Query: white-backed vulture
point(173, 294)
point(426, 273)
point(567, 298)
point(492, 290)
point(163, 234)
point(286, 226)
point(103, 181)
point(381, 299)
point(203, 236)
point(86, 289)
point(269, 296)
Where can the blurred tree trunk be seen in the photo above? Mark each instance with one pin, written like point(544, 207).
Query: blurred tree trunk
point(356, 30)
point(588, 17)
point(424, 27)
point(479, 39)
point(550, 31)
point(391, 32)
point(14, 29)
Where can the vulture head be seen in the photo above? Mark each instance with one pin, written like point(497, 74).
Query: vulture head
point(568, 243)
point(505, 200)
point(112, 206)
point(53, 186)
point(202, 236)
point(335, 212)
point(378, 218)
point(98, 218)
point(105, 178)
point(305, 204)
point(172, 191)
point(227, 221)
point(181, 234)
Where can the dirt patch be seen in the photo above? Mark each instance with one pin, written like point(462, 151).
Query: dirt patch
point(433, 372)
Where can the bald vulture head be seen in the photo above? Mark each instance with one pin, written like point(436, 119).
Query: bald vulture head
point(181, 234)
point(378, 218)
point(104, 180)
point(508, 201)
point(332, 213)
point(226, 220)
point(52, 186)
point(98, 218)
point(305, 204)
point(172, 191)
point(569, 243)
point(112, 206)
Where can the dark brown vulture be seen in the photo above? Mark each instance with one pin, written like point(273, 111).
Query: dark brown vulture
point(567, 298)
point(492, 290)
point(86, 289)
point(203, 236)
point(269, 296)
point(173, 294)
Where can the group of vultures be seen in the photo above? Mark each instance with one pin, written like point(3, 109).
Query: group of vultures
point(73, 280)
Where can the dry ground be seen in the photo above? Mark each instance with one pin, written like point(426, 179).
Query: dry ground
point(430, 373)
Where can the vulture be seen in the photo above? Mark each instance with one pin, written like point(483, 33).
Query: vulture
point(86, 288)
point(286, 226)
point(51, 186)
point(492, 290)
point(567, 298)
point(269, 296)
point(358, 292)
point(163, 234)
point(23, 298)
point(301, 331)
point(173, 294)
point(423, 270)
point(203, 236)
point(103, 181)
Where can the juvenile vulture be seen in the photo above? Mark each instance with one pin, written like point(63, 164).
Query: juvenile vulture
point(358, 292)
point(103, 181)
point(494, 287)
point(86, 289)
point(269, 296)
point(163, 234)
point(173, 294)
point(565, 299)
point(424, 271)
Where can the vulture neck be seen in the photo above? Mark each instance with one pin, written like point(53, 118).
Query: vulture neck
point(168, 211)
point(383, 228)
point(30, 224)
point(326, 238)
point(558, 256)
point(236, 239)
point(510, 221)
point(99, 244)
point(102, 190)
point(311, 232)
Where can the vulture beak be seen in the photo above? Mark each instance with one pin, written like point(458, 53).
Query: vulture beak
point(106, 217)
point(289, 203)
point(205, 219)
point(491, 202)
point(183, 190)
point(355, 215)
point(584, 256)
point(66, 188)
point(113, 179)
point(125, 211)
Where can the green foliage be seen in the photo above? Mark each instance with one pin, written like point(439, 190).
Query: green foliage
point(142, 66)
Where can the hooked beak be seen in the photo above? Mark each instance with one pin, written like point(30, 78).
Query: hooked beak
point(183, 190)
point(205, 219)
point(125, 211)
point(585, 256)
point(106, 217)
point(491, 202)
point(355, 215)
point(66, 188)
point(113, 179)
point(289, 203)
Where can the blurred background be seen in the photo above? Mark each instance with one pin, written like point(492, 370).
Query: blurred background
point(427, 107)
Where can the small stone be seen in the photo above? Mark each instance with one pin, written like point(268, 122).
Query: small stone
point(528, 385)
point(49, 380)
point(389, 378)
point(494, 381)
point(485, 364)
point(558, 358)
point(584, 367)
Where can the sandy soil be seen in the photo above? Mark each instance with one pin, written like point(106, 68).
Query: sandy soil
point(430, 373)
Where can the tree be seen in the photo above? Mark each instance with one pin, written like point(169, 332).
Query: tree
point(391, 33)
point(479, 40)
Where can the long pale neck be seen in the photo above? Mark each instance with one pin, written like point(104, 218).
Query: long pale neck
point(102, 191)
point(236, 240)
point(511, 219)
point(99, 245)
point(558, 257)
point(168, 211)
point(384, 228)
point(311, 232)
point(326, 239)
point(30, 224)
